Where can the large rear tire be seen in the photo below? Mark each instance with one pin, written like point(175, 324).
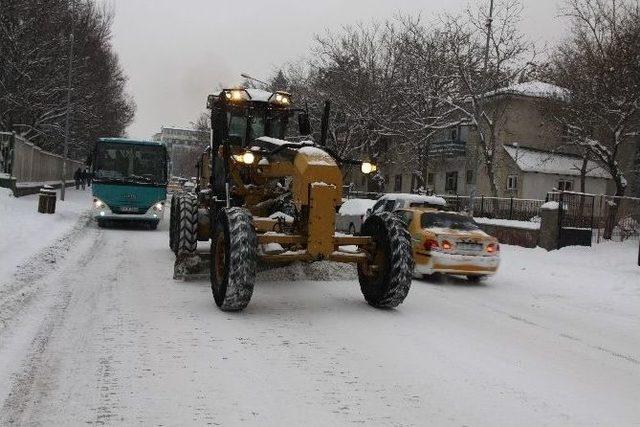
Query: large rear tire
point(187, 230)
point(173, 223)
point(234, 250)
point(386, 281)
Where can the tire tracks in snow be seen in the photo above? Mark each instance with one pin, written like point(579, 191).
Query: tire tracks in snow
point(46, 301)
point(27, 280)
point(524, 320)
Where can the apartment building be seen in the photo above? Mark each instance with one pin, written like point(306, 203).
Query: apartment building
point(184, 147)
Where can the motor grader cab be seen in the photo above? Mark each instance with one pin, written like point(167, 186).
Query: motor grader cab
point(273, 200)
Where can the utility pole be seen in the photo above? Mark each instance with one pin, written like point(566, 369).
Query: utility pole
point(67, 119)
point(488, 25)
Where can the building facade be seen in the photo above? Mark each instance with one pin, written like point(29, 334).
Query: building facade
point(184, 148)
point(531, 154)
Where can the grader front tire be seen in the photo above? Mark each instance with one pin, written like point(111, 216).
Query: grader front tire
point(386, 282)
point(187, 227)
point(174, 222)
point(234, 252)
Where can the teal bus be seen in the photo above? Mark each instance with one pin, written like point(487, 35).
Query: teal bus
point(129, 181)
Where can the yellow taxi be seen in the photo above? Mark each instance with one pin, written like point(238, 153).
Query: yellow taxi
point(451, 243)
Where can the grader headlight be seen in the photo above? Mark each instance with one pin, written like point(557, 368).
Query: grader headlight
point(248, 158)
point(236, 95)
point(282, 98)
point(368, 167)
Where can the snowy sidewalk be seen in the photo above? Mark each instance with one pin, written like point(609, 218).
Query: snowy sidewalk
point(24, 231)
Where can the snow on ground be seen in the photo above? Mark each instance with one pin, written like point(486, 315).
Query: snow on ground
point(24, 231)
point(110, 338)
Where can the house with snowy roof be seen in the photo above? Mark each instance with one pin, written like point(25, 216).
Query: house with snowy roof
point(532, 156)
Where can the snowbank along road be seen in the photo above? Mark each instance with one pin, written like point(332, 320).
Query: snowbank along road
point(94, 331)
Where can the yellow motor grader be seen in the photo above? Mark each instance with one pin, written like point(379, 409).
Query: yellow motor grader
point(264, 198)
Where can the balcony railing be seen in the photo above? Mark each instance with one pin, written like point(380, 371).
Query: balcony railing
point(448, 148)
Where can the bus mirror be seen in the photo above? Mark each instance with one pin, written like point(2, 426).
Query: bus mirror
point(304, 124)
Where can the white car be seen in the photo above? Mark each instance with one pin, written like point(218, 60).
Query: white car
point(351, 215)
point(393, 201)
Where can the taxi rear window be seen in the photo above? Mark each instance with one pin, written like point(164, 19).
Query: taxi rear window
point(447, 220)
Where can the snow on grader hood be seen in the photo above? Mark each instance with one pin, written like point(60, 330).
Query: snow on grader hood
point(247, 177)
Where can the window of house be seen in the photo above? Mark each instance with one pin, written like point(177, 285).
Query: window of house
point(470, 177)
point(386, 182)
point(565, 185)
point(565, 133)
point(512, 182)
point(415, 182)
point(363, 181)
point(454, 134)
point(397, 185)
point(451, 183)
point(431, 178)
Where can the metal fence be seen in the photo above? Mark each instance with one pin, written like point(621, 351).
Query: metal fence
point(496, 207)
point(27, 163)
point(610, 217)
point(617, 218)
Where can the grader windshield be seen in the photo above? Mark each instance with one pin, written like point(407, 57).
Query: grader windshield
point(262, 123)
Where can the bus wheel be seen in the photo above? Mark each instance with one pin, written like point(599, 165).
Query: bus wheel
point(187, 227)
point(234, 250)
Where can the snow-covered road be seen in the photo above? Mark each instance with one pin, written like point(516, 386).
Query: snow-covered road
point(107, 337)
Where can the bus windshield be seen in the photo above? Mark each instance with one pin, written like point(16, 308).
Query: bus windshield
point(144, 164)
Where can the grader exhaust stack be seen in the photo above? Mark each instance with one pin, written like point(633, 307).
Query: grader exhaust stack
point(264, 198)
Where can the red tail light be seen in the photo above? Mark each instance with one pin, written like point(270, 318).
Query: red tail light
point(493, 248)
point(446, 246)
point(430, 244)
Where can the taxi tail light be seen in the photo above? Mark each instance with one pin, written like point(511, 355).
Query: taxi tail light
point(431, 244)
point(446, 245)
point(493, 248)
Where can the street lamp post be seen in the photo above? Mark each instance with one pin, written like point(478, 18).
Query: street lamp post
point(67, 120)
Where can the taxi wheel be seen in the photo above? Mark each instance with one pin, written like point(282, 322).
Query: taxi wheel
point(475, 278)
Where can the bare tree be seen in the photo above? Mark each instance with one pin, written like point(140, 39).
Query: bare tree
point(479, 72)
point(34, 46)
point(599, 66)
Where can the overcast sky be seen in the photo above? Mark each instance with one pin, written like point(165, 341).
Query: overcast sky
point(177, 52)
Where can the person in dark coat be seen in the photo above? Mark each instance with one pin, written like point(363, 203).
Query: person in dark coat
point(77, 177)
point(87, 173)
point(83, 178)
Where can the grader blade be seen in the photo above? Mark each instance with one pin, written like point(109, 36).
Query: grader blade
point(192, 266)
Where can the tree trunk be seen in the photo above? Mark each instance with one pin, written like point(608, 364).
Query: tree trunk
point(612, 217)
point(583, 174)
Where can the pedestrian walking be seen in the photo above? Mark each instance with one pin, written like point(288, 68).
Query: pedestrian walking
point(77, 177)
point(83, 179)
point(89, 176)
